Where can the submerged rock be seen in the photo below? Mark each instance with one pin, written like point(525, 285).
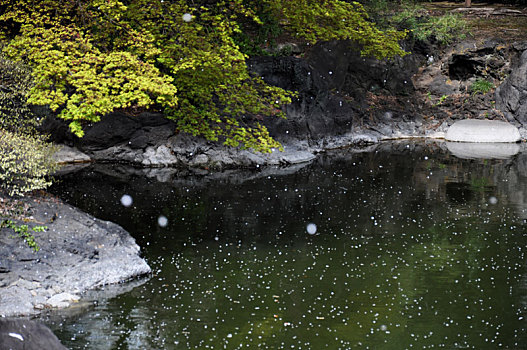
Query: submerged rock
point(27, 335)
point(77, 253)
point(474, 130)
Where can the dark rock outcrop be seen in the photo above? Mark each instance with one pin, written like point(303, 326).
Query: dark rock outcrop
point(333, 83)
point(23, 334)
point(453, 80)
point(511, 96)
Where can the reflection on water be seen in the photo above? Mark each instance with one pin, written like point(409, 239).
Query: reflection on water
point(474, 150)
point(404, 246)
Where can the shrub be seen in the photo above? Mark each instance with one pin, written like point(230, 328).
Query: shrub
point(15, 83)
point(445, 29)
point(25, 232)
point(25, 157)
point(25, 163)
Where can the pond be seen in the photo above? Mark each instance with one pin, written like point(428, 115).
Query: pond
point(400, 246)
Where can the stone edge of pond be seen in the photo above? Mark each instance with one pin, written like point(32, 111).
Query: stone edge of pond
point(195, 153)
point(77, 253)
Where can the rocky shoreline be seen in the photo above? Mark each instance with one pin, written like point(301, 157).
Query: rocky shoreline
point(344, 100)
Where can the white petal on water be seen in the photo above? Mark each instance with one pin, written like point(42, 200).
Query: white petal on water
point(126, 200)
point(17, 336)
point(162, 221)
point(311, 229)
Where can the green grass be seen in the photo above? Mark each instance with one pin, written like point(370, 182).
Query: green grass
point(445, 29)
point(481, 86)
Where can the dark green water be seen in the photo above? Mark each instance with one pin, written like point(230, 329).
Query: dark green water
point(414, 248)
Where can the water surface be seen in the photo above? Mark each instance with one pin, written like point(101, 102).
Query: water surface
point(404, 246)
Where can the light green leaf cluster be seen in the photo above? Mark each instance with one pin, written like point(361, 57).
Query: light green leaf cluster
point(92, 57)
point(25, 158)
point(75, 78)
point(445, 29)
point(25, 232)
point(317, 20)
point(25, 163)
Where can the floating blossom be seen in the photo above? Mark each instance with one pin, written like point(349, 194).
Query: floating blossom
point(126, 200)
point(162, 221)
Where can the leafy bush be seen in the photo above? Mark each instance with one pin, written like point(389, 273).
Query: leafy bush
point(25, 157)
point(481, 86)
point(25, 163)
point(445, 29)
point(254, 39)
point(15, 83)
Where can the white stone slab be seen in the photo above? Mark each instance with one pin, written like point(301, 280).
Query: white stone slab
point(475, 130)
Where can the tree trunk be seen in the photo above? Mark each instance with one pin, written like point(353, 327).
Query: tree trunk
point(468, 3)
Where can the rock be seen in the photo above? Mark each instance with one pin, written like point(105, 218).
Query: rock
point(473, 130)
point(77, 253)
point(27, 335)
point(511, 96)
point(199, 160)
point(477, 58)
point(483, 150)
point(61, 300)
point(160, 156)
point(68, 155)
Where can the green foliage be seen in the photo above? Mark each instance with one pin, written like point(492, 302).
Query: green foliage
point(445, 29)
point(25, 158)
point(441, 100)
point(256, 38)
point(73, 75)
point(92, 57)
point(316, 20)
point(15, 83)
point(25, 163)
point(25, 232)
point(481, 86)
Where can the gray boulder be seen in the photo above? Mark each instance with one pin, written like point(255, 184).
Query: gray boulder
point(68, 155)
point(77, 253)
